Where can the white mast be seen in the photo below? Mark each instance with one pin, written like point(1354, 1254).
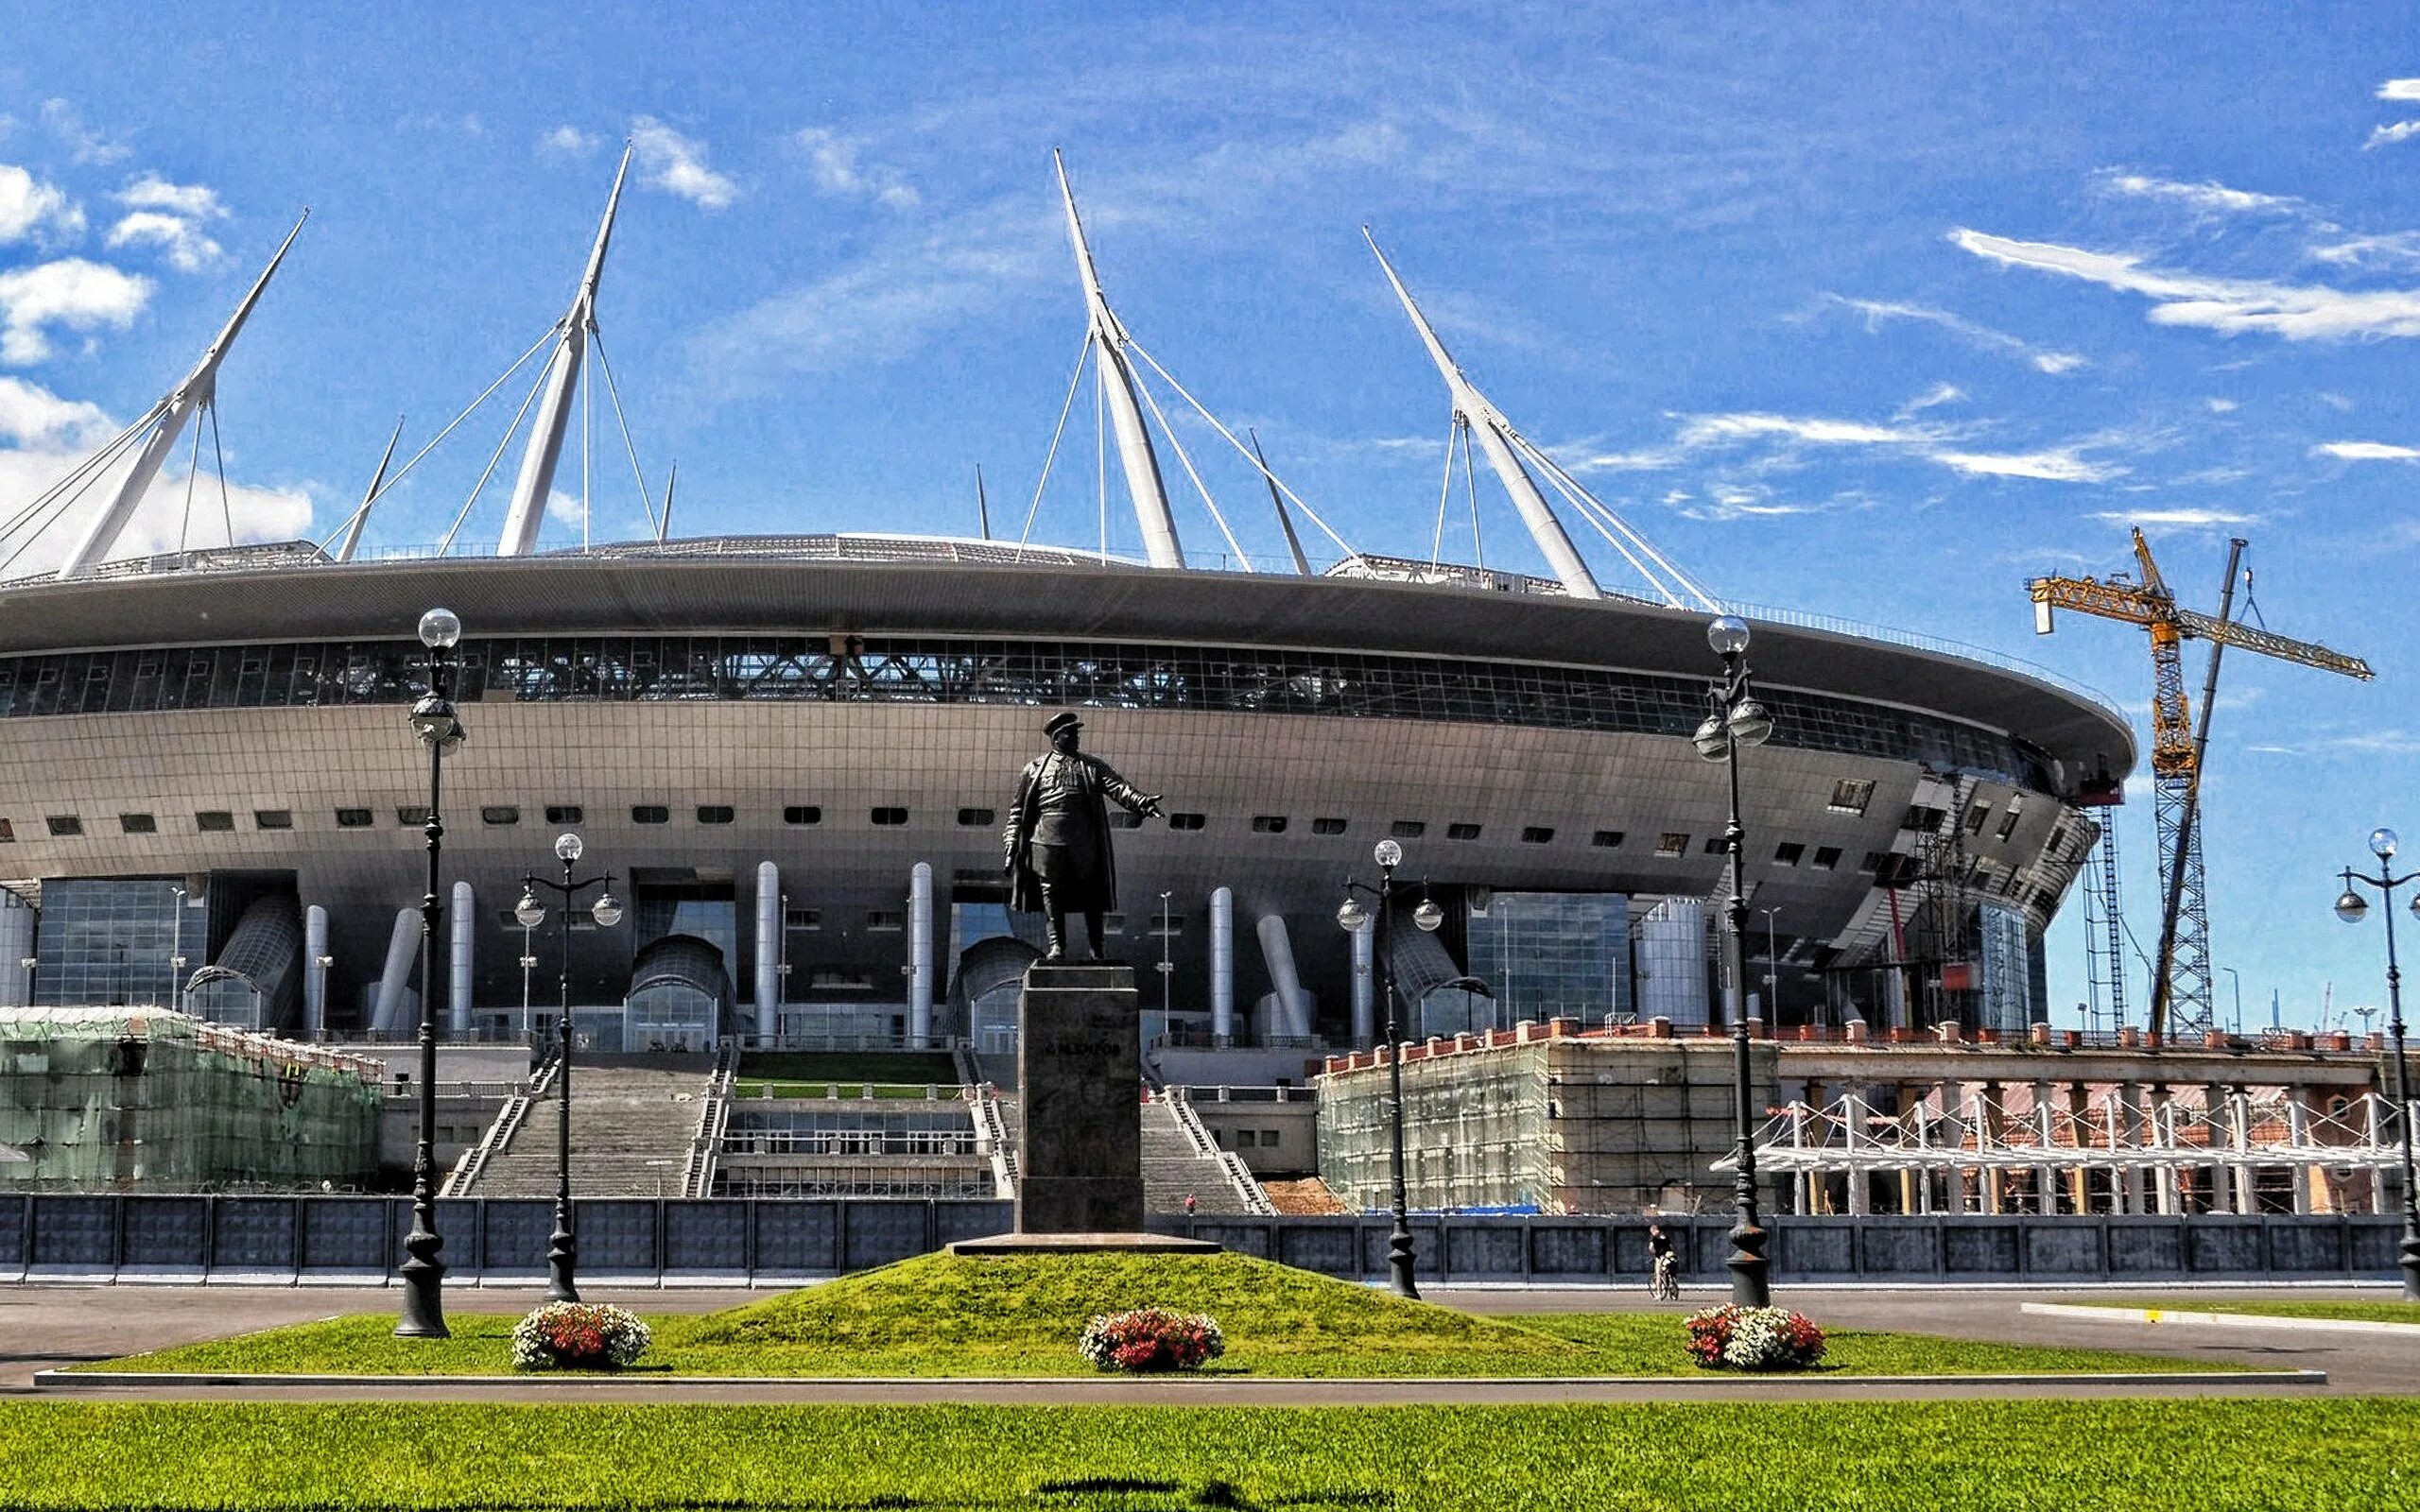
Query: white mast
point(1126, 417)
point(369, 497)
point(537, 479)
point(169, 413)
point(1494, 437)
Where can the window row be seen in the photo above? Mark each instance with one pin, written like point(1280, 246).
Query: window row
point(936, 670)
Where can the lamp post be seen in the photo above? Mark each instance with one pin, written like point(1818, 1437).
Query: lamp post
point(434, 722)
point(2351, 908)
point(562, 1245)
point(1353, 917)
point(1736, 719)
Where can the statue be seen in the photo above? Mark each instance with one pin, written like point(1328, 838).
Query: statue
point(1057, 839)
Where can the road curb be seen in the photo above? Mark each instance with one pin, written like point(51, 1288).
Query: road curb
point(2223, 1321)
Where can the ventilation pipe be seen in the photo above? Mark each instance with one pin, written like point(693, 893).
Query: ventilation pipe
point(770, 925)
point(396, 981)
point(1277, 951)
point(314, 975)
point(1365, 986)
point(1223, 967)
point(457, 963)
point(920, 954)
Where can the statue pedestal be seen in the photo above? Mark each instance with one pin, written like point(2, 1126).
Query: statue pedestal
point(1079, 1066)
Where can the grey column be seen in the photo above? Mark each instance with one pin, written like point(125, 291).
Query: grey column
point(1277, 952)
point(314, 976)
point(458, 972)
point(770, 924)
point(1223, 967)
point(2132, 1131)
point(920, 954)
point(395, 980)
point(1365, 986)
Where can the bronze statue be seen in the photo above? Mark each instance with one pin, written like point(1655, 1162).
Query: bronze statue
point(1059, 859)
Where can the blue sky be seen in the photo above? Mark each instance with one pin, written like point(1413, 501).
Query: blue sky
point(1872, 312)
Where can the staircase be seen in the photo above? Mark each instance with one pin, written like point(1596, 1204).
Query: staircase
point(1180, 1160)
point(632, 1131)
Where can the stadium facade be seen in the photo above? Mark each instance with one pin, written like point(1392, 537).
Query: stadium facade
point(795, 753)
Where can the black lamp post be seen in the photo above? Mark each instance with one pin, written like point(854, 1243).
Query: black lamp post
point(434, 721)
point(1353, 918)
point(2351, 908)
point(562, 1245)
point(1736, 719)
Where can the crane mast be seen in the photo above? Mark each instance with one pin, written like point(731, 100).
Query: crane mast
point(2180, 976)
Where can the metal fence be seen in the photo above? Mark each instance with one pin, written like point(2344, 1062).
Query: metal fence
point(307, 1239)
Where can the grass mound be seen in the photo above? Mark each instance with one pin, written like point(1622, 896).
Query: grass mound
point(1020, 1304)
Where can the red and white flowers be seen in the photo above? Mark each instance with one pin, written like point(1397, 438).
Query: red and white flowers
point(1151, 1338)
point(1754, 1338)
point(578, 1336)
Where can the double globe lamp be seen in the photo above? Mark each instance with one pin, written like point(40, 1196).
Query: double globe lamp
point(562, 1244)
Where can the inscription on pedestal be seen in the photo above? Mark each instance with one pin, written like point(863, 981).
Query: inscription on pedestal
point(1079, 1066)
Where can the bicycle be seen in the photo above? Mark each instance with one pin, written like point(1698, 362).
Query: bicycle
point(1664, 1285)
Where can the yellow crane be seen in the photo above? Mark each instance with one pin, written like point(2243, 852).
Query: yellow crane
point(2180, 976)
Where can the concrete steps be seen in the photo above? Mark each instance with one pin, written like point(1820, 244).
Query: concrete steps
point(630, 1130)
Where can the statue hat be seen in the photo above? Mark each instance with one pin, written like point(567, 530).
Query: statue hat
point(1065, 719)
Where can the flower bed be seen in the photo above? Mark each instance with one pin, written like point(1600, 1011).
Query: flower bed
point(1754, 1338)
point(578, 1336)
point(1151, 1338)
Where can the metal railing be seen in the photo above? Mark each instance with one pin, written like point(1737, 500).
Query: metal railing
point(698, 1169)
point(991, 1138)
point(1247, 1187)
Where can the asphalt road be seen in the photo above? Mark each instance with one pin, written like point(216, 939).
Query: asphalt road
point(43, 1327)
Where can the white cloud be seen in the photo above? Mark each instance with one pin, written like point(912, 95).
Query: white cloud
point(676, 164)
point(2400, 89)
point(2335, 401)
point(2228, 305)
point(2206, 198)
point(187, 249)
point(568, 140)
point(2388, 135)
point(1707, 430)
point(193, 201)
point(832, 161)
point(1878, 311)
point(63, 122)
point(1932, 398)
point(2365, 452)
point(2402, 246)
point(32, 416)
point(2221, 406)
point(563, 510)
point(31, 209)
point(2156, 521)
point(68, 292)
point(2055, 464)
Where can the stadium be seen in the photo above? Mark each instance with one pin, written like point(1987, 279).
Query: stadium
point(793, 753)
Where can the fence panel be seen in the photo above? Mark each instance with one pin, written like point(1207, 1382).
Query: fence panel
point(796, 1237)
point(708, 1238)
point(621, 1236)
point(73, 1236)
point(347, 1238)
point(255, 1239)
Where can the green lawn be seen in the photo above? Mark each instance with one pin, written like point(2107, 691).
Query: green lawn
point(916, 1066)
point(943, 1316)
point(2141, 1456)
point(2381, 1311)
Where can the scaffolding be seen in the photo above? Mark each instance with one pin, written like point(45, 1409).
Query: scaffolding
point(142, 1098)
point(2108, 1152)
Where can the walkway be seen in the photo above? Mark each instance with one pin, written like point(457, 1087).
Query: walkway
point(631, 1131)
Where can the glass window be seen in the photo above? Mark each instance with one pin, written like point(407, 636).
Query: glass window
point(1462, 832)
point(1672, 843)
point(1851, 796)
point(1715, 846)
point(974, 818)
point(1269, 824)
point(65, 826)
point(563, 814)
point(650, 814)
point(1409, 828)
point(802, 814)
point(1826, 858)
point(412, 815)
point(500, 814)
point(1186, 821)
point(1328, 826)
point(353, 819)
point(1537, 834)
point(716, 813)
point(1606, 840)
point(890, 816)
point(274, 819)
point(885, 920)
point(138, 824)
point(1788, 852)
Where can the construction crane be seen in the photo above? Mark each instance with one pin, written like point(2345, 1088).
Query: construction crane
point(2180, 976)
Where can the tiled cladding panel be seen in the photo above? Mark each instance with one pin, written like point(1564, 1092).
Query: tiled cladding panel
point(931, 670)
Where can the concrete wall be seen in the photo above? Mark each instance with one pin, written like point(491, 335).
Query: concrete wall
point(1273, 1138)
